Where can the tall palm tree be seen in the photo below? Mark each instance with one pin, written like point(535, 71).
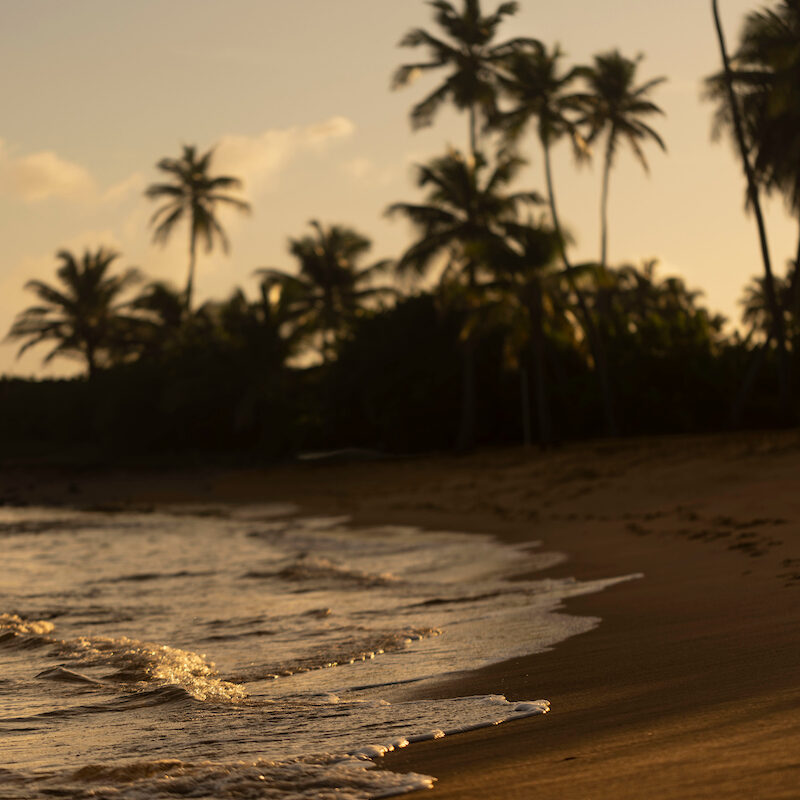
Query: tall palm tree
point(83, 316)
point(193, 195)
point(616, 107)
point(330, 288)
point(761, 45)
point(467, 49)
point(540, 92)
point(766, 75)
point(466, 206)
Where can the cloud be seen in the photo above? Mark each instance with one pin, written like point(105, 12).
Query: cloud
point(132, 186)
point(364, 170)
point(358, 168)
point(258, 159)
point(39, 176)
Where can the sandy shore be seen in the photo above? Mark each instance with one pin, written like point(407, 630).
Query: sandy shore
point(689, 687)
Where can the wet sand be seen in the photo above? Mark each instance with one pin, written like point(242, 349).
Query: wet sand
point(690, 686)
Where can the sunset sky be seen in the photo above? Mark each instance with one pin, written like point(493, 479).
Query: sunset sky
point(295, 95)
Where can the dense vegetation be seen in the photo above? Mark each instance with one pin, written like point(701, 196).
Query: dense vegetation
point(514, 342)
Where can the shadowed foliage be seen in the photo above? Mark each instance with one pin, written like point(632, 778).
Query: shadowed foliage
point(527, 300)
point(540, 93)
point(330, 289)
point(467, 204)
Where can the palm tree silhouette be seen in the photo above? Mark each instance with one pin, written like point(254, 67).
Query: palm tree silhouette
point(330, 289)
point(540, 93)
point(728, 89)
point(661, 315)
point(161, 315)
point(616, 107)
point(463, 209)
point(82, 316)
point(766, 74)
point(531, 305)
point(463, 215)
point(192, 194)
point(469, 52)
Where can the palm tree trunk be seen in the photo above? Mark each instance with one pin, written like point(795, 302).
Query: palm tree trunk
point(592, 334)
point(473, 132)
point(794, 310)
point(752, 190)
point(91, 361)
point(466, 428)
point(537, 346)
point(525, 402)
point(746, 389)
point(604, 203)
point(192, 260)
point(469, 391)
point(548, 171)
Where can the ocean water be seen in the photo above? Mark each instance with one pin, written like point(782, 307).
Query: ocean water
point(249, 652)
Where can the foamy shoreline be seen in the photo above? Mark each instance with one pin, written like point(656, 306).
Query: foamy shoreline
point(687, 689)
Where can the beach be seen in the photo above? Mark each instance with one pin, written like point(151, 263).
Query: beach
point(687, 688)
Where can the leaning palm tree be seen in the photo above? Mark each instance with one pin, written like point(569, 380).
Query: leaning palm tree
point(466, 206)
point(193, 195)
point(330, 289)
point(765, 72)
point(616, 107)
point(467, 49)
point(758, 98)
point(83, 317)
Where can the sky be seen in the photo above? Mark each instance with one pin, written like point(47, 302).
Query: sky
point(295, 97)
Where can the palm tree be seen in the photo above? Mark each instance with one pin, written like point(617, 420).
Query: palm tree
point(761, 46)
point(766, 75)
point(463, 209)
point(756, 312)
point(468, 50)
point(616, 107)
point(83, 316)
point(540, 92)
point(330, 289)
point(463, 215)
point(532, 307)
point(194, 195)
point(161, 316)
point(661, 315)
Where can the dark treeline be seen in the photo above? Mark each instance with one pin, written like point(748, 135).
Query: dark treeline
point(513, 342)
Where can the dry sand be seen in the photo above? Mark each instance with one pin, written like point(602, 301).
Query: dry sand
point(690, 685)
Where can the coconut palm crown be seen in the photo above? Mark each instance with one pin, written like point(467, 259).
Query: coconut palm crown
point(616, 107)
point(541, 95)
point(83, 316)
point(465, 207)
point(467, 49)
point(193, 194)
point(330, 288)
